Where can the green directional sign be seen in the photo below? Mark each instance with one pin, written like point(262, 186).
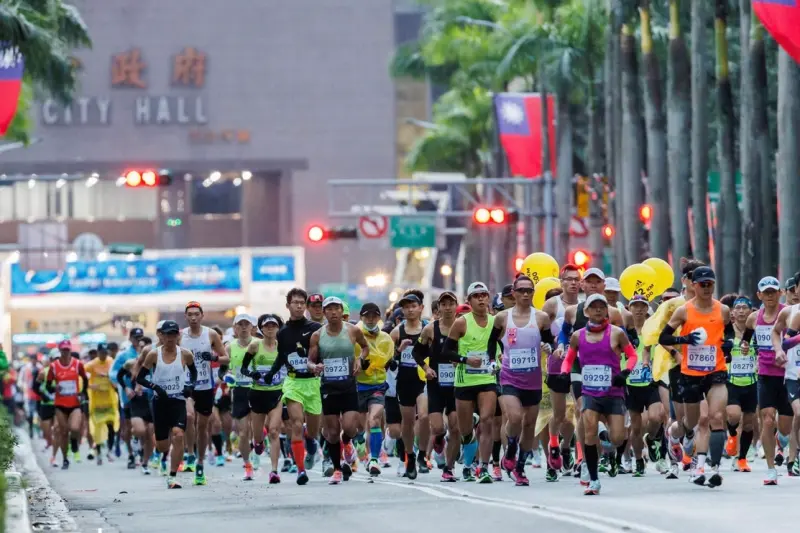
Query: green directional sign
point(714, 186)
point(125, 248)
point(413, 231)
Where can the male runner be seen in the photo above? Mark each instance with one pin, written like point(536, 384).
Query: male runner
point(788, 348)
point(315, 308)
point(131, 352)
point(742, 388)
point(68, 380)
point(240, 393)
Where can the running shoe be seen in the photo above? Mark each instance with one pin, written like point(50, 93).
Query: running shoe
point(732, 446)
point(593, 489)
point(309, 461)
point(467, 474)
point(698, 476)
point(76, 456)
point(520, 479)
point(401, 469)
point(327, 467)
point(613, 467)
point(349, 453)
point(131, 462)
point(220, 461)
point(584, 476)
point(793, 468)
point(653, 448)
point(568, 462)
point(53, 462)
point(551, 475)
point(439, 459)
point(447, 476)
point(190, 464)
point(779, 458)
point(640, 470)
point(772, 477)
point(172, 483)
point(347, 471)
point(255, 459)
point(199, 477)
point(90, 456)
point(361, 451)
point(293, 469)
point(287, 465)
point(274, 478)
point(554, 459)
point(673, 471)
point(715, 480)
point(688, 444)
point(497, 474)
point(302, 477)
point(411, 468)
point(662, 467)
point(741, 465)
point(99, 460)
point(65, 464)
point(336, 478)
point(535, 459)
point(164, 469)
point(483, 475)
point(509, 465)
point(248, 472)
point(374, 467)
point(422, 466)
point(384, 459)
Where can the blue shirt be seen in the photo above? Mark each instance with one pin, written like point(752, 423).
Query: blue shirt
point(119, 361)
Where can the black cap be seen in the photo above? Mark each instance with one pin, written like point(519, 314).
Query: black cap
point(790, 283)
point(170, 326)
point(702, 274)
point(409, 298)
point(368, 308)
point(102, 347)
point(507, 291)
point(136, 332)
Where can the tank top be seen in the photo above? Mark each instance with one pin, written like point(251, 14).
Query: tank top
point(445, 370)
point(408, 366)
point(337, 354)
point(67, 383)
point(198, 345)
point(705, 358)
point(262, 362)
point(554, 362)
point(474, 344)
point(742, 368)
point(599, 364)
point(763, 338)
point(170, 376)
point(521, 365)
point(793, 355)
point(235, 367)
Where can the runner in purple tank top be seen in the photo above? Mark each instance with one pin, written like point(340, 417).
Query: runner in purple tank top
point(598, 347)
point(522, 329)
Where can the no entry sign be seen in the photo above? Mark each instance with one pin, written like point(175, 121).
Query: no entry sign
point(374, 226)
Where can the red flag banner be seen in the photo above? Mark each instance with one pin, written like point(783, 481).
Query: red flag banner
point(519, 123)
point(11, 67)
point(782, 20)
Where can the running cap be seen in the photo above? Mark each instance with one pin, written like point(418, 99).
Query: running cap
point(595, 298)
point(169, 326)
point(159, 325)
point(594, 271)
point(268, 319)
point(790, 284)
point(507, 291)
point(244, 317)
point(332, 300)
point(65, 345)
point(345, 308)
point(767, 283)
point(102, 347)
point(193, 305)
point(54, 354)
point(369, 309)
point(447, 294)
point(637, 298)
point(612, 284)
point(477, 287)
point(463, 308)
point(703, 273)
point(410, 298)
point(315, 298)
point(136, 333)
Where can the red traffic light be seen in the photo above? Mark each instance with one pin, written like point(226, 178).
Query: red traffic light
point(645, 213)
point(316, 233)
point(518, 264)
point(498, 216)
point(495, 215)
point(133, 179)
point(580, 258)
point(147, 178)
point(482, 215)
point(608, 231)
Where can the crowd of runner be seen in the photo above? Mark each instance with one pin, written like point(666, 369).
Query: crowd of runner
point(489, 387)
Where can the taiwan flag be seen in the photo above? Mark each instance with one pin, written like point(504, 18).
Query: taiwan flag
point(11, 66)
point(782, 20)
point(519, 122)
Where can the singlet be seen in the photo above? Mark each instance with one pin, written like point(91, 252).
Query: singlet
point(68, 384)
point(337, 354)
point(407, 370)
point(520, 365)
point(640, 376)
point(742, 368)
point(793, 355)
point(445, 369)
point(599, 364)
point(235, 367)
point(763, 338)
point(198, 345)
point(474, 344)
point(705, 358)
point(262, 362)
point(170, 376)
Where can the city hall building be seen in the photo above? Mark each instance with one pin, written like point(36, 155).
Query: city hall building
point(250, 106)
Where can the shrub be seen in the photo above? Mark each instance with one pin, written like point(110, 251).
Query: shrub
point(7, 442)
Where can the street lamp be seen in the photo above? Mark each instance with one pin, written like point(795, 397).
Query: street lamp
point(446, 270)
point(376, 281)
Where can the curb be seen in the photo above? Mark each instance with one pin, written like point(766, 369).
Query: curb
point(25, 460)
point(17, 515)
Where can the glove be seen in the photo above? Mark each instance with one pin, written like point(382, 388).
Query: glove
point(188, 391)
point(692, 339)
point(206, 356)
point(160, 392)
point(727, 346)
point(620, 379)
point(256, 375)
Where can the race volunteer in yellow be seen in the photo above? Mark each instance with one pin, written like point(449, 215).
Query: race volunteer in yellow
point(103, 402)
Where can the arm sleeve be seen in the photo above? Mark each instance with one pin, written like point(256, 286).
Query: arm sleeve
point(633, 336)
point(748, 335)
point(192, 375)
point(667, 338)
point(791, 340)
point(280, 361)
point(729, 332)
point(248, 358)
point(420, 352)
point(450, 350)
point(569, 359)
point(494, 341)
point(632, 356)
point(566, 333)
point(547, 336)
point(141, 379)
point(119, 376)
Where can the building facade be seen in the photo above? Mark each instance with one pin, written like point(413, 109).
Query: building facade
point(251, 106)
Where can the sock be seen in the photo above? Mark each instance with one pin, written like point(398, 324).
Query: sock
point(511, 449)
point(336, 454)
point(732, 429)
point(523, 455)
point(578, 452)
point(99, 449)
point(359, 438)
point(621, 451)
point(311, 445)
point(299, 452)
point(744, 444)
point(716, 445)
point(689, 432)
point(74, 445)
point(701, 460)
point(217, 440)
point(199, 470)
point(284, 446)
point(663, 445)
point(590, 454)
point(553, 441)
point(375, 442)
point(401, 449)
point(470, 445)
point(496, 452)
point(164, 456)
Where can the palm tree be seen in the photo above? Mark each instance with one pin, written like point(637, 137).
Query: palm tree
point(631, 153)
point(729, 219)
point(700, 19)
point(788, 160)
point(45, 33)
point(679, 127)
point(613, 126)
point(748, 159)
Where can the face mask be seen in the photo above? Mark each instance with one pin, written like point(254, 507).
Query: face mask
point(372, 329)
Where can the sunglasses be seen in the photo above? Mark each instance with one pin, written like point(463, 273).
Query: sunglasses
point(524, 291)
point(706, 284)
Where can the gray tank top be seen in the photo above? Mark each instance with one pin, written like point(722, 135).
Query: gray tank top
point(337, 354)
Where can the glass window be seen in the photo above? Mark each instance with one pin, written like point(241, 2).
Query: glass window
point(223, 197)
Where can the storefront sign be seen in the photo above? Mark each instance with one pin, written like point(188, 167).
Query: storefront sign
point(220, 273)
point(52, 338)
point(273, 268)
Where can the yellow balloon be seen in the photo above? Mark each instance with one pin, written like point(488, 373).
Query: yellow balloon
point(541, 290)
point(538, 266)
point(664, 274)
point(638, 279)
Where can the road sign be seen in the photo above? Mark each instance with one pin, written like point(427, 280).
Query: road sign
point(714, 186)
point(413, 232)
point(373, 226)
point(87, 246)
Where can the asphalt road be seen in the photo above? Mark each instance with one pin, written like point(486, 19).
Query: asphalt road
point(111, 498)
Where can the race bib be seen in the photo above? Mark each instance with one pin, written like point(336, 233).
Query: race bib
point(300, 364)
point(277, 379)
point(484, 368)
point(336, 369)
point(743, 365)
point(407, 358)
point(447, 375)
point(203, 372)
point(243, 380)
point(596, 378)
point(702, 358)
point(68, 388)
point(173, 388)
point(639, 374)
point(523, 360)
point(764, 337)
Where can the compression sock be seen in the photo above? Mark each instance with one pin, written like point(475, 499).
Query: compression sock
point(470, 445)
point(511, 449)
point(336, 454)
point(401, 450)
point(73, 445)
point(744, 444)
point(111, 434)
point(732, 429)
point(716, 445)
point(285, 447)
point(299, 452)
point(496, 445)
point(326, 453)
point(217, 440)
point(523, 455)
point(590, 455)
point(621, 451)
point(375, 442)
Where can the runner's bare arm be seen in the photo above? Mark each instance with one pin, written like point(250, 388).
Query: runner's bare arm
point(551, 307)
point(781, 323)
point(496, 334)
point(313, 349)
point(219, 349)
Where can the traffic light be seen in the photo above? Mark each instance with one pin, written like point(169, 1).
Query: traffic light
point(608, 232)
point(147, 178)
point(174, 222)
point(495, 215)
point(518, 264)
point(646, 213)
point(319, 233)
point(580, 258)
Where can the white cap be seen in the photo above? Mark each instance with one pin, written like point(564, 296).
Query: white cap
point(332, 300)
point(595, 298)
point(244, 317)
point(160, 323)
point(54, 353)
point(594, 271)
point(477, 287)
point(612, 284)
point(769, 283)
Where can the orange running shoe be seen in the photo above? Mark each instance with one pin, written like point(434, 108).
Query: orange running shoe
point(732, 446)
point(248, 472)
point(742, 466)
point(384, 459)
point(336, 478)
